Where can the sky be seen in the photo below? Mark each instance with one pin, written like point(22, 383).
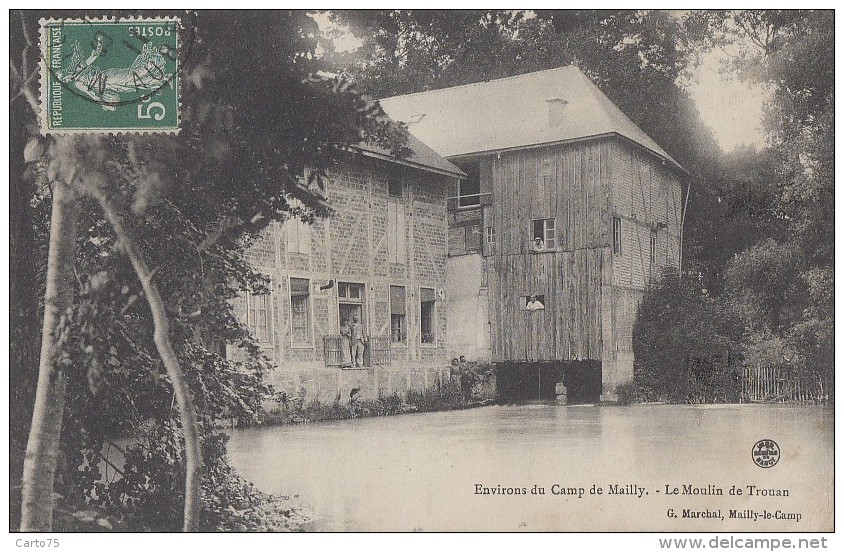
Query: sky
point(731, 108)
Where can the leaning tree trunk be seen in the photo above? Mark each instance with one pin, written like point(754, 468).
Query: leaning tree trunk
point(193, 449)
point(42, 448)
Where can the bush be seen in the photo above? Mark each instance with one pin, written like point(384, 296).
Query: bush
point(629, 393)
point(686, 344)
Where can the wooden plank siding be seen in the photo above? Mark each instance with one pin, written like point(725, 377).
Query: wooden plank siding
point(644, 194)
point(571, 184)
point(591, 295)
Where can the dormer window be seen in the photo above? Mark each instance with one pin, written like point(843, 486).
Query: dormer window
point(543, 235)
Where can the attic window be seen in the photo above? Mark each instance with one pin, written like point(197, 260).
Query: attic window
point(556, 107)
point(416, 118)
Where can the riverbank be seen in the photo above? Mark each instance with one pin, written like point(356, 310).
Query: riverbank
point(433, 400)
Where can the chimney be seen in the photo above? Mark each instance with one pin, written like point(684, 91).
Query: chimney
point(556, 107)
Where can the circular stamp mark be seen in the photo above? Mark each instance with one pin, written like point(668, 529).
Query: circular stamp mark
point(766, 453)
point(109, 64)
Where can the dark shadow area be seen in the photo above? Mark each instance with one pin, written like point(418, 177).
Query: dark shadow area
point(532, 381)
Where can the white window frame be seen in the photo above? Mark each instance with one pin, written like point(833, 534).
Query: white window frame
point(249, 322)
point(545, 231)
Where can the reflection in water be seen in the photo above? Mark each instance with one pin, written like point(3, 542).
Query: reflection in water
point(419, 471)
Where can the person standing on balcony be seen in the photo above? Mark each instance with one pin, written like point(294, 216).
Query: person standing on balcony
point(345, 343)
point(358, 341)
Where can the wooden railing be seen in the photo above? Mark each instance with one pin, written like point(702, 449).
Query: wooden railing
point(776, 384)
point(468, 201)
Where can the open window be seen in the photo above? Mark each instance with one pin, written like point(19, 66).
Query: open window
point(469, 188)
point(532, 302)
point(543, 235)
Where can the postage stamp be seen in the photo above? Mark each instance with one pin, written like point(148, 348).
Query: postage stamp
point(110, 75)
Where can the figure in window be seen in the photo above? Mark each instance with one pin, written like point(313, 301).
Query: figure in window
point(538, 244)
point(534, 303)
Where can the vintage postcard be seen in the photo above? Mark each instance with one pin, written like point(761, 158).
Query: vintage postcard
point(504, 270)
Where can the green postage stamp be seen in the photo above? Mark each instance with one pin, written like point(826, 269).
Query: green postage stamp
point(110, 75)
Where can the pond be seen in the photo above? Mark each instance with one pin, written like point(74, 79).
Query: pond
point(428, 471)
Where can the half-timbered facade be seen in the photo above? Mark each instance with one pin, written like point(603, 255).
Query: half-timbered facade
point(567, 213)
point(380, 257)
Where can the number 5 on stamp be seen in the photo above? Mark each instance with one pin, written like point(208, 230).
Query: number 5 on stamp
point(109, 75)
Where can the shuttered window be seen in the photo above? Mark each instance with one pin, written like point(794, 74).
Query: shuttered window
point(298, 236)
point(398, 314)
point(300, 311)
point(396, 248)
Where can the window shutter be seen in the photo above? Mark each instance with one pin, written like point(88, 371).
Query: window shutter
point(304, 237)
point(401, 247)
point(391, 231)
point(397, 300)
point(299, 286)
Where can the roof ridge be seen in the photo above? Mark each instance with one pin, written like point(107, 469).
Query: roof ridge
point(479, 83)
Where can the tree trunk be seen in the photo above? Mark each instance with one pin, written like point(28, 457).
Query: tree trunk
point(42, 448)
point(24, 317)
point(187, 411)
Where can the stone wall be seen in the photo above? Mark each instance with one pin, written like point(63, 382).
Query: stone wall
point(356, 245)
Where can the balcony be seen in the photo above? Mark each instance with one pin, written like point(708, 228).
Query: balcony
point(376, 352)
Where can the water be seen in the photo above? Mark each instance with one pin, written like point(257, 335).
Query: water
point(420, 471)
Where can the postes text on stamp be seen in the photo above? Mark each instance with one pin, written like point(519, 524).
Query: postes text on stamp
point(109, 75)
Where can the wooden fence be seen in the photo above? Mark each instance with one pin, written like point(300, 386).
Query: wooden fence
point(776, 384)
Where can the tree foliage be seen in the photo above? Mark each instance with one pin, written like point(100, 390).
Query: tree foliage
point(253, 119)
point(783, 287)
point(685, 344)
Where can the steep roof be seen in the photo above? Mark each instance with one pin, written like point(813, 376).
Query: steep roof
point(422, 157)
point(514, 112)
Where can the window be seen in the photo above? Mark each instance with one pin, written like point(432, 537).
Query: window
point(532, 302)
point(473, 238)
point(258, 316)
point(298, 236)
point(300, 311)
point(616, 235)
point(428, 320)
point(653, 246)
point(350, 292)
point(396, 249)
point(394, 185)
point(490, 235)
point(398, 314)
point(469, 189)
point(350, 302)
point(543, 235)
